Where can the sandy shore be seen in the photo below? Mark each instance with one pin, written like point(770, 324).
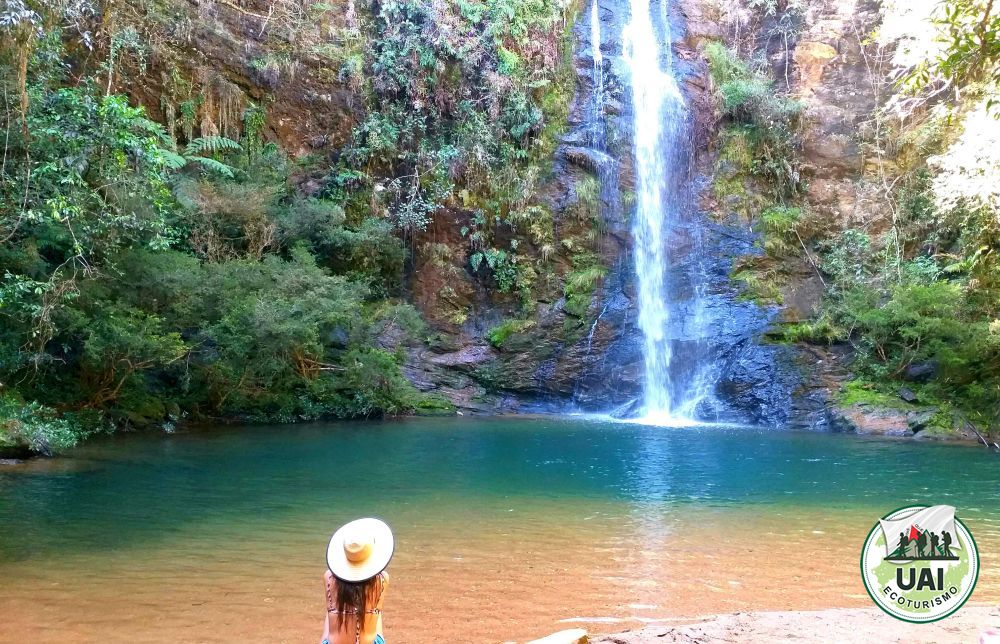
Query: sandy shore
point(861, 625)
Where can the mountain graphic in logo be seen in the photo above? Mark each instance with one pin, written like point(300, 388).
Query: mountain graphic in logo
point(923, 536)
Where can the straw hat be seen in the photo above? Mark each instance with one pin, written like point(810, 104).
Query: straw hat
point(360, 550)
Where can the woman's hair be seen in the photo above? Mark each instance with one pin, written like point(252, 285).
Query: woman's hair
point(358, 597)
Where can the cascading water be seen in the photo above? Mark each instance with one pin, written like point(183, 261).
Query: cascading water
point(598, 57)
point(675, 381)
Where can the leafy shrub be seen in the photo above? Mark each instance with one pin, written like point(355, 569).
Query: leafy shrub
point(508, 268)
point(847, 259)
point(37, 427)
point(371, 385)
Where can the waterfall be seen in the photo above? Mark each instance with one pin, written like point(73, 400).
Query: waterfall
point(598, 58)
point(674, 378)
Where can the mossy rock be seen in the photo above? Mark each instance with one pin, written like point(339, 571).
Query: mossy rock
point(859, 392)
point(434, 405)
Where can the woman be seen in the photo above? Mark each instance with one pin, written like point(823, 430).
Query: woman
point(355, 582)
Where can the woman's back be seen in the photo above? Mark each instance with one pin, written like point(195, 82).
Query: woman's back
point(344, 622)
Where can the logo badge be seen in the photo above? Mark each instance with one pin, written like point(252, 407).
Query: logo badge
point(920, 563)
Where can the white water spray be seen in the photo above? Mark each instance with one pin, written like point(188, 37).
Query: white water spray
point(597, 120)
point(595, 45)
point(660, 119)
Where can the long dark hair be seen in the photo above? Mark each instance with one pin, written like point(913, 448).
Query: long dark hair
point(356, 597)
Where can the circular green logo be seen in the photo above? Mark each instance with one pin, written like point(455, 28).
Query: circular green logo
point(920, 563)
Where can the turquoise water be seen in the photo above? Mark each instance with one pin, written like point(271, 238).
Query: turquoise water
point(130, 488)
point(606, 524)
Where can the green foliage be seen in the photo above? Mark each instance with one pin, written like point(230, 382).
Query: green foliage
point(847, 259)
point(918, 322)
point(254, 119)
point(588, 198)
point(210, 145)
point(765, 121)
point(499, 334)
point(778, 225)
point(860, 392)
point(272, 340)
point(723, 63)
point(203, 145)
point(39, 428)
point(510, 271)
point(580, 284)
point(439, 121)
point(821, 331)
point(434, 405)
point(970, 58)
point(146, 284)
point(371, 385)
point(760, 285)
point(922, 319)
point(212, 164)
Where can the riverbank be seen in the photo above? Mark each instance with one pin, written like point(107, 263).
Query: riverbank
point(845, 625)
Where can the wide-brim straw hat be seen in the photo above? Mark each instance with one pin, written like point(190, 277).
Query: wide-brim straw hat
point(360, 550)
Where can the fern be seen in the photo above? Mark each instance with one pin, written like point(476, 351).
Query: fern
point(210, 145)
point(212, 164)
point(173, 160)
point(154, 128)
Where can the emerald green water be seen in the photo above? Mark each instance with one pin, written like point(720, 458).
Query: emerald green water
point(598, 505)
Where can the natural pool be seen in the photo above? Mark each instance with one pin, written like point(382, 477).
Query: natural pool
point(506, 527)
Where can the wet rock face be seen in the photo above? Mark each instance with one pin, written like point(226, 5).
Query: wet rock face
point(755, 381)
point(567, 357)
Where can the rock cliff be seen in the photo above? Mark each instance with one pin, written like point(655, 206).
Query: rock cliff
point(573, 342)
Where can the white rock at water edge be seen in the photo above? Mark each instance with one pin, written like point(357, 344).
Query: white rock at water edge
point(571, 636)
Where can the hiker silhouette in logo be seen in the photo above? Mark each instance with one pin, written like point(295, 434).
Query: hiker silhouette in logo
point(946, 549)
point(921, 543)
point(904, 542)
point(934, 545)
